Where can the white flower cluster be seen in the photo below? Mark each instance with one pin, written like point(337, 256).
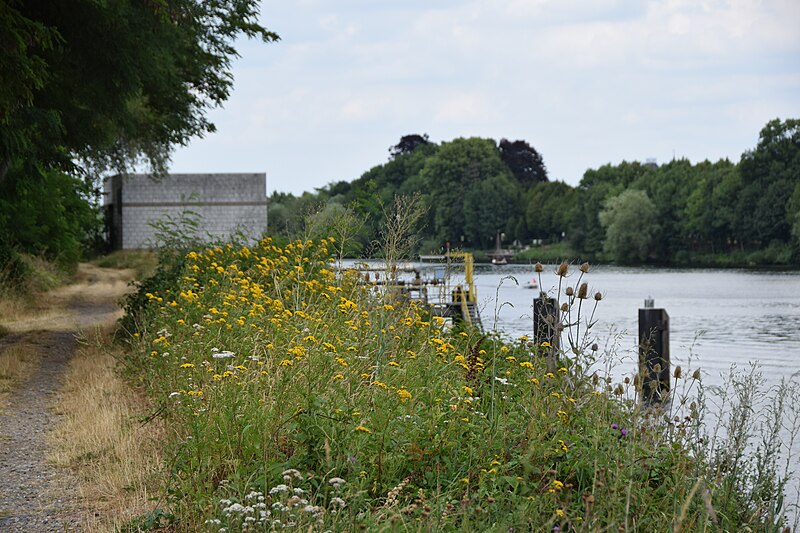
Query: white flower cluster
point(284, 506)
point(245, 515)
point(224, 354)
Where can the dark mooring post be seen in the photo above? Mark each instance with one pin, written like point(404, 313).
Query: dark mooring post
point(654, 366)
point(545, 328)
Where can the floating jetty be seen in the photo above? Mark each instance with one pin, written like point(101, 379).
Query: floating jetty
point(431, 285)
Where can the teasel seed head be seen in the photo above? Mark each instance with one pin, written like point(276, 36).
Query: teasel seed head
point(562, 269)
point(583, 290)
point(570, 291)
point(598, 297)
point(565, 307)
point(696, 374)
point(538, 267)
point(584, 267)
point(677, 373)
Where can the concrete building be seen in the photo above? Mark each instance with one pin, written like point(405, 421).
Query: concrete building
point(223, 204)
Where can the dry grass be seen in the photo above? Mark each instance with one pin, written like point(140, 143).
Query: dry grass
point(17, 363)
point(55, 310)
point(100, 439)
point(93, 284)
point(143, 262)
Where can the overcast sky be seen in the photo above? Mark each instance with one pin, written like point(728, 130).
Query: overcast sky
point(585, 82)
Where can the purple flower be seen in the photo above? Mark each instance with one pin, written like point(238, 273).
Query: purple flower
point(614, 426)
point(623, 432)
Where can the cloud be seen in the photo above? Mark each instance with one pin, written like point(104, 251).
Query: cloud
point(585, 81)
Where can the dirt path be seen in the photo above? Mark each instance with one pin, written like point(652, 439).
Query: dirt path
point(34, 495)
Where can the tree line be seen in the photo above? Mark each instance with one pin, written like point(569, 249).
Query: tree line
point(720, 213)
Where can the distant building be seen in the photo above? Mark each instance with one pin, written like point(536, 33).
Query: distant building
point(224, 203)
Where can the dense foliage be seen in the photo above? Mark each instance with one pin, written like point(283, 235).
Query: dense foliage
point(298, 397)
point(90, 86)
point(721, 213)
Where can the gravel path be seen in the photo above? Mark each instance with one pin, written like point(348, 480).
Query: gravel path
point(35, 496)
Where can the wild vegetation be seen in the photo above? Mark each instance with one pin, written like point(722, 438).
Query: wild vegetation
point(295, 396)
point(722, 214)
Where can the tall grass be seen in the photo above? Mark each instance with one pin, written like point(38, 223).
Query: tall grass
point(297, 397)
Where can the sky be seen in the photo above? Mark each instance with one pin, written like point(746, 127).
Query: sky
point(585, 82)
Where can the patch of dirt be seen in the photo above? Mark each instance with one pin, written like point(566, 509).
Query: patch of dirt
point(34, 495)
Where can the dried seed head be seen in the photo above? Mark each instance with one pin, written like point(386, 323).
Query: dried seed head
point(595, 347)
point(677, 373)
point(585, 267)
point(627, 380)
point(562, 269)
point(696, 374)
point(595, 379)
point(657, 368)
point(538, 267)
point(583, 290)
point(565, 307)
point(619, 391)
point(570, 291)
point(598, 296)
point(636, 381)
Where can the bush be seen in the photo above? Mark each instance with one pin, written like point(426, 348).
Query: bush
point(48, 214)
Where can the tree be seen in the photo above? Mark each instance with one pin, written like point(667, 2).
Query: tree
point(457, 168)
point(490, 205)
point(631, 226)
point(106, 84)
point(408, 143)
point(770, 174)
point(524, 162)
point(550, 210)
point(668, 186)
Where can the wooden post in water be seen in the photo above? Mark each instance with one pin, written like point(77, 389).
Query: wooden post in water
point(545, 327)
point(654, 365)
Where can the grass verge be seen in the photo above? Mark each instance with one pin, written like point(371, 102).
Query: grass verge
point(102, 439)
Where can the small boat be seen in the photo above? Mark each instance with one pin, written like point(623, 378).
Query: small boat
point(532, 284)
point(499, 260)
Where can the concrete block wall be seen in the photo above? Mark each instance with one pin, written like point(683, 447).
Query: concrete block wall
point(224, 204)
